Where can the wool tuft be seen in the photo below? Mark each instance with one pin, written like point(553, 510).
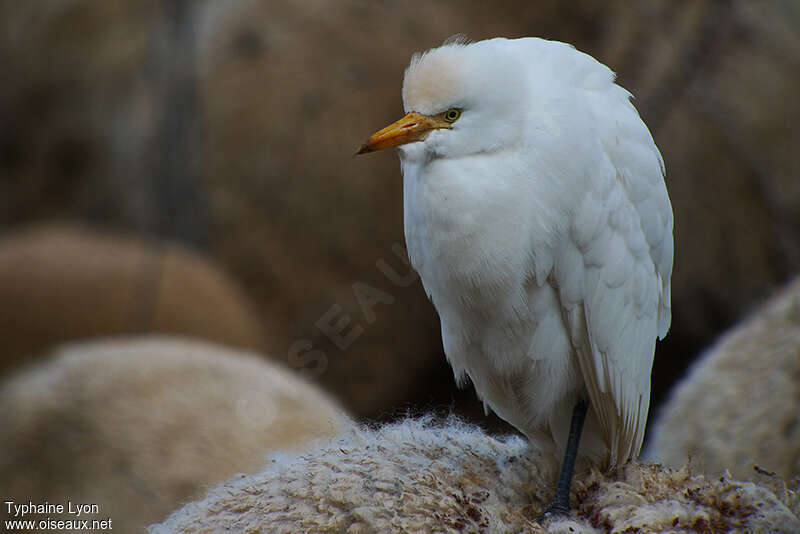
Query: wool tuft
point(139, 426)
point(738, 409)
point(424, 475)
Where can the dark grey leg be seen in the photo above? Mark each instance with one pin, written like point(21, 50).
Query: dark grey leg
point(560, 503)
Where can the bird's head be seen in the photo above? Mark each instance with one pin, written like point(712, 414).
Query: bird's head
point(460, 99)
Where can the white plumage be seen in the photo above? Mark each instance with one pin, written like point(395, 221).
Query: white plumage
point(541, 227)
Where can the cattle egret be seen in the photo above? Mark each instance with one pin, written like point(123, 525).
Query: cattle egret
point(538, 219)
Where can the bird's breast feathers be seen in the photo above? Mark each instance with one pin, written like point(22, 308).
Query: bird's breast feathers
point(469, 227)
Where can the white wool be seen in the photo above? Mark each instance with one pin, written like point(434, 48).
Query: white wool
point(141, 425)
point(428, 476)
point(738, 406)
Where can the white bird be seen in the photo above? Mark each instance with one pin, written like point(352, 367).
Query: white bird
point(537, 216)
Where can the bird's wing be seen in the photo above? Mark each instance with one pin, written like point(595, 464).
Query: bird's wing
point(613, 276)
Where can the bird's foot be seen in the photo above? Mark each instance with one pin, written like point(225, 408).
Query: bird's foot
point(554, 509)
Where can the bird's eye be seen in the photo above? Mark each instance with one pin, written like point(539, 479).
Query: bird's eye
point(452, 115)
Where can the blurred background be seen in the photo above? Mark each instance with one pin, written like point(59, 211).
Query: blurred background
point(186, 167)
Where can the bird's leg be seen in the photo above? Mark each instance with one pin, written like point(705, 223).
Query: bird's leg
point(560, 503)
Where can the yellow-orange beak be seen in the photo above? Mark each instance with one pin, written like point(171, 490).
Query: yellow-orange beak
point(412, 127)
